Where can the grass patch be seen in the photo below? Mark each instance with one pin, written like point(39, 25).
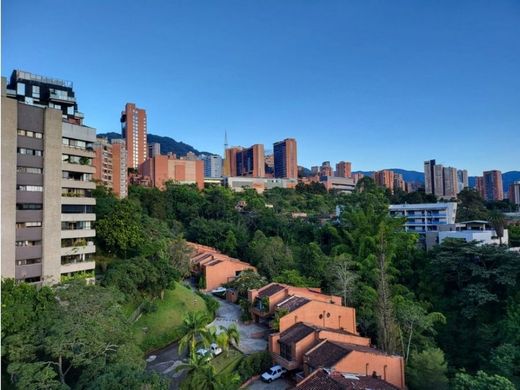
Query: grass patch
point(161, 325)
point(226, 363)
point(129, 307)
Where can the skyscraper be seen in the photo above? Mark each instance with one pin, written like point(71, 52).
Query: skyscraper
point(285, 159)
point(344, 169)
point(103, 162)
point(47, 204)
point(212, 166)
point(326, 169)
point(399, 182)
point(514, 192)
point(134, 130)
point(463, 181)
point(451, 182)
point(110, 163)
point(429, 182)
point(385, 178)
point(493, 189)
point(154, 149)
point(250, 161)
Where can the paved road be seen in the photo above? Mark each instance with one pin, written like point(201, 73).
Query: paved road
point(279, 384)
point(251, 339)
point(168, 358)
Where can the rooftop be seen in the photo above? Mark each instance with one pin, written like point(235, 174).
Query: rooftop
point(292, 303)
point(330, 352)
point(270, 290)
point(296, 333)
point(23, 75)
point(322, 379)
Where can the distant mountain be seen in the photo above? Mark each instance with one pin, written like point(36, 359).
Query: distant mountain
point(168, 145)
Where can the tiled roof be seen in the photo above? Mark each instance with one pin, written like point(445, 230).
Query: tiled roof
point(212, 262)
point(292, 303)
point(295, 333)
point(327, 355)
point(270, 290)
point(321, 380)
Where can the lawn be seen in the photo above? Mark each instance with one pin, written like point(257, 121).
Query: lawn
point(158, 329)
point(226, 363)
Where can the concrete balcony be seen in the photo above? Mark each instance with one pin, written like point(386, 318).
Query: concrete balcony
point(77, 152)
point(28, 252)
point(287, 364)
point(76, 217)
point(86, 185)
point(30, 234)
point(66, 166)
point(80, 266)
point(78, 233)
point(29, 197)
point(28, 271)
point(78, 200)
point(29, 215)
point(78, 250)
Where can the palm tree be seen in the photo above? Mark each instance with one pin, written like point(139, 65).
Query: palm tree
point(229, 381)
point(498, 221)
point(228, 336)
point(193, 328)
point(201, 374)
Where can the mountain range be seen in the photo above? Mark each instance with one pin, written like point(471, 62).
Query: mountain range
point(169, 145)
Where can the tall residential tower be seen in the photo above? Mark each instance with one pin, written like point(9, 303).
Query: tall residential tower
point(134, 130)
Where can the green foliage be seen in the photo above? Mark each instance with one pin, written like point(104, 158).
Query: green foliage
point(211, 303)
point(294, 278)
point(193, 329)
point(254, 364)
point(270, 254)
point(247, 280)
point(471, 206)
point(279, 313)
point(481, 381)
point(427, 370)
point(514, 235)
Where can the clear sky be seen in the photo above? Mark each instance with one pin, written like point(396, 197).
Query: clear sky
point(382, 84)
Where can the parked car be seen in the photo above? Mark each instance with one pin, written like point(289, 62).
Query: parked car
point(219, 291)
point(214, 350)
point(273, 373)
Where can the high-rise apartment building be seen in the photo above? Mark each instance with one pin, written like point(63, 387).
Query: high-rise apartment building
point(103, 162)
point(399, 182)
point(269, 164)
point(285, 159)
point(451, 182)
point(344, 169)
point(357, 177)
point(326, 169)
point(134, 130)
point(110, 163)
point(514, 192)
point(385, 178)
point(154, 149)
point(230, 161)
point(479, 186)
point(250, 161)
point(463, 181)
point(212, 166)
point(47, 168)
point(493, 189)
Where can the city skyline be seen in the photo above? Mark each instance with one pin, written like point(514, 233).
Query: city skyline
point(348, 81)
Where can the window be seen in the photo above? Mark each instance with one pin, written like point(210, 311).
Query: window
point(70, 110)
point(20, 89)
point(286, 351)
point(28, 261)
point(28, 170)
point(28, 243)
point(36, 91)
point(29, 188)
point(36, 279)
point(30, 152)
point(21, 225)
point(76, 209)
point(29, 206)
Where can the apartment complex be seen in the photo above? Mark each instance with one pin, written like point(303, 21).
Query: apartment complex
point(110, 163)
point(47, 172)
point(285, 159)
point(344, 169)
point(134, 130)
point(154, 149)
point(259, 184)
point(492, 185)
point(384, 178)
point(160, 169)
point(212, 166)
point(514, 192)
point(250, 161)
point(443, 182)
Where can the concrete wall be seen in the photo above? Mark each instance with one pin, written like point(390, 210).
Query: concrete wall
point(223, 272)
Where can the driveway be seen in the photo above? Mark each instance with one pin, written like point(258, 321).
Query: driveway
point(279, 384)
point(165, 362)
point(252, 336)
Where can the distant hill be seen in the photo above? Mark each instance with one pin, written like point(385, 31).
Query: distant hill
point(168, 145)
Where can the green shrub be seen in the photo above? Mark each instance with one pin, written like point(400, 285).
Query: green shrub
point(211, 303)
point(245, 310)
point(254, 364)
point(149, 306)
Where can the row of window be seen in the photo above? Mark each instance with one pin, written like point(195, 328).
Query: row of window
point(29, 170)
point(75, 143)
point(80, 225)
point(30, 152)
point(76, 176)
point(76, 209)
point(76, 192)
point(28, 243)
point(29, 188)
point(21, 225)
point(32, 134)
point(76, 258)
point(29, 206)
point(76, 159)
point(71, 242)
point(28, 261)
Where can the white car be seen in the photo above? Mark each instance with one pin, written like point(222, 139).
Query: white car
point(214, 350)
point(273, 373)
point(220, 291)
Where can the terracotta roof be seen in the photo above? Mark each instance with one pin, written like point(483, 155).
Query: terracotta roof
point(326, 355)
point(321, 379)
point(212, 262)
point(292, 303)
point(270, 290)
point(330, 352)
point(295, 333)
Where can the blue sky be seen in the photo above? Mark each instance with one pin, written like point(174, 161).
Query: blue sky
point(379, 83)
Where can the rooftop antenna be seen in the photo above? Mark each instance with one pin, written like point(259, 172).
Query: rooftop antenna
point(225, 141)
